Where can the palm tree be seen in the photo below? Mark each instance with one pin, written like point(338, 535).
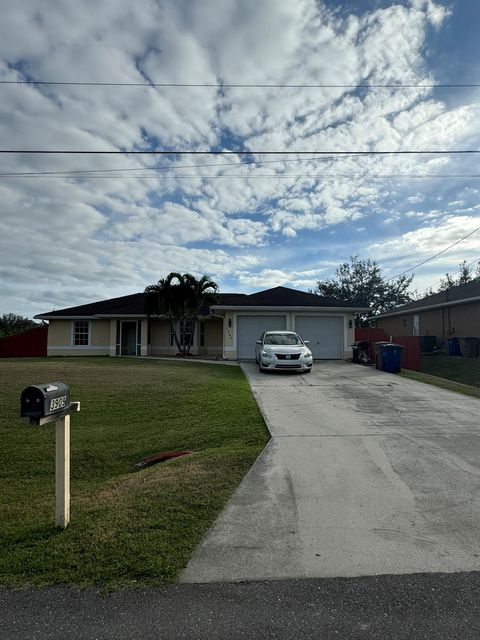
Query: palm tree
point(181, 298)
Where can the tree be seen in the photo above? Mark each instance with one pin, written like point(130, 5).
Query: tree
point(361, 282)
point(465, 274)
point(181, 298)
point(11, 324)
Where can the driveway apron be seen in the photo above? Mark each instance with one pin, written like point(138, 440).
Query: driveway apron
point(366, 473)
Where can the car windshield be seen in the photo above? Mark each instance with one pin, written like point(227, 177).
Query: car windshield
point(282, 338)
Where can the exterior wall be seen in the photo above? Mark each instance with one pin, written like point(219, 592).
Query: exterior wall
point(444, 323)
point(465, 320)
point(396, 325)
point(349, 333)
point(213, 337)
point(229, 336)
point(432, 324)
point(160, 339)
point(144, 338)
point(100, 333)
point(60, 339)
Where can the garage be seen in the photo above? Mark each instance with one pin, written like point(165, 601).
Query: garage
point(324, 333)
point(249, 329)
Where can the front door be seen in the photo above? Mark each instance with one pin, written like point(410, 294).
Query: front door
point(129, 338)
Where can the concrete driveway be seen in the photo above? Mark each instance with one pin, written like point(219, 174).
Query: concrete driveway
point(366, 473)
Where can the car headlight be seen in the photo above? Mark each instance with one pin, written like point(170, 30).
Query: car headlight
point(268, 354)
point(307, 353)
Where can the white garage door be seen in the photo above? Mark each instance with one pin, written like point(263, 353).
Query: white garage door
point(250, 328)
point(325, 335)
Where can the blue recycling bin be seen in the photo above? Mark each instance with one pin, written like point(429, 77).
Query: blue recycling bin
point(454, 347)
point(392, 355)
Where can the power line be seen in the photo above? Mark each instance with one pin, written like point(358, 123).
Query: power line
point(176, 167)
point(244, 176)
point(168, 168)
point(237, 153)
point(469, 264)
point(239, 85)
point(434, 256)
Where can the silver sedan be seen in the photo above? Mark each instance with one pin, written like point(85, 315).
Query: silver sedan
point(283, 351)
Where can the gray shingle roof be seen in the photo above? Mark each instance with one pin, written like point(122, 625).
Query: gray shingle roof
point(285, 297)
point(135, 304)
point(455, 294)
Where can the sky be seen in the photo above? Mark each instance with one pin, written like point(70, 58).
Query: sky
point(249, 220)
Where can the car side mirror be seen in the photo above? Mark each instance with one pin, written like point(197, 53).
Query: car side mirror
point(259, 342)
point(306, 342)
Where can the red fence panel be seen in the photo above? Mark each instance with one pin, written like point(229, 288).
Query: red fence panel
point(370, 334)
point(32, 343)
point(410, 355)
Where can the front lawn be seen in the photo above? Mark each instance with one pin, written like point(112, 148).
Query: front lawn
point(464, 370)
point(458, 374)
point(128, 527)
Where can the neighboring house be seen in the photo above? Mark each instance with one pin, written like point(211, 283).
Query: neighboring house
point(227, 330)
point(451, 313)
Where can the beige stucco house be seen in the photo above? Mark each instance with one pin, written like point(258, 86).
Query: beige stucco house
point(228, 330)
point(449, 314)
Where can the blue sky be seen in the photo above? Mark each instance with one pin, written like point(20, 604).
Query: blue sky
point(250, 222)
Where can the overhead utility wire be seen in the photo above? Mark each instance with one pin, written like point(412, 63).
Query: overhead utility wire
point(239, 85)
point(469, 264)
point(166, 168)
point(434, 256)
point(237, 153)
point(394, 176)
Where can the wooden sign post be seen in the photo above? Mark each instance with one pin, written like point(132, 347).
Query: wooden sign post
point(62, 472)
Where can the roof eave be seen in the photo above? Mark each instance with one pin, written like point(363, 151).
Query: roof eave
point(98, 316)
point(429, 307)
point(287, 308)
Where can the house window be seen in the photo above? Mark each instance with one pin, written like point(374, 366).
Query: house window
point(185, 333)
point(202, 334)
point(81, 331)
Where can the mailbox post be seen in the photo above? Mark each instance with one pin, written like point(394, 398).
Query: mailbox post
point(44, 403)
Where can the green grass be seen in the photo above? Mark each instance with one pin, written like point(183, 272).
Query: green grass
point(461, 375)
point(128, 527)
point(463, 370)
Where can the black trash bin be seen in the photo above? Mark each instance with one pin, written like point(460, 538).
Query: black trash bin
point(469, 347)
point(359, 350)
point(427, 344)
point(378, 348)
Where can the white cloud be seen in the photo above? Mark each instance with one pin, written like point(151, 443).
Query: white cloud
point(112, 234)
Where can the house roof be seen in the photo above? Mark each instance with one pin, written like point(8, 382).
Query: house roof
point(285, 297)
point(461, 294)
point(134, 304)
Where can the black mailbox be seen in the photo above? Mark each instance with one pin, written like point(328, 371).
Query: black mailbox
point(43, 400)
